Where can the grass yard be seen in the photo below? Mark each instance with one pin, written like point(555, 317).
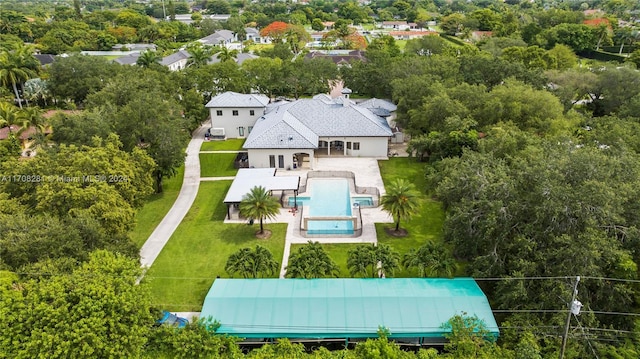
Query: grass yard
point(226, 145)
point(217, 164)
point(156, 207)
point(426, 225)
point(197, 252)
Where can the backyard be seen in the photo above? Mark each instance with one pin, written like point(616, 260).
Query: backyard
point(198, 250)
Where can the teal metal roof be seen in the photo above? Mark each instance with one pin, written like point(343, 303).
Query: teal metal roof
point(343, 308)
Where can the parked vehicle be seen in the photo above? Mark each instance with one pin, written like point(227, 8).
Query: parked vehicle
point(171, 319)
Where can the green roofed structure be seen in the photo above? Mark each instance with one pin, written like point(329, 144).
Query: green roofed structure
point(301, 309)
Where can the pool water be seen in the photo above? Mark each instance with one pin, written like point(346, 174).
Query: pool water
point(304, 201)
point(362, 201)
point(329, 197)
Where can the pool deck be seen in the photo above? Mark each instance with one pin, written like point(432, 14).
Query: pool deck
point(367, 175)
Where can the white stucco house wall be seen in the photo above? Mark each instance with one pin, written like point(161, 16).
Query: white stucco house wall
point(234, 114)
point(176, 61)
point(293, 134)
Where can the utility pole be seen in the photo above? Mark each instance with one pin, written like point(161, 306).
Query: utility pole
point(566, 327)
point(164, 12)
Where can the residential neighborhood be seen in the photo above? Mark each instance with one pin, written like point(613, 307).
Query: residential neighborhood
point(319, 179)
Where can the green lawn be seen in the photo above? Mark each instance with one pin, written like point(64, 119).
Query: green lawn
point(217, 164)
point(426, 225)
point(157, 206)
point(226, 145)
point(197, 252)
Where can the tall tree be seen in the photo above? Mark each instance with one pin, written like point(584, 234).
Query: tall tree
point(225, 54)
point(252, 264)
point(148, 58)
point(200, 54)
point(99, 310)
point(430, 261)
point(311, 261)
point(260, 205)
point(401, 201)
point(16, 67)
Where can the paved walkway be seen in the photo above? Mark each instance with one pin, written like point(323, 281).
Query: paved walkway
point(160, 236)
point(367, 175)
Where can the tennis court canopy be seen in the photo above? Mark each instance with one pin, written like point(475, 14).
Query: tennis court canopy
point(344, 308)
point(247, 178)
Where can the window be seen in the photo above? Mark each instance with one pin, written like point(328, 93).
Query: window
point(235, 112)
point(281, 161)
point(240, 131)
point(249, 129)
point(356, 145)
point(272, 161)
point(252, 112)
point(348, 145)
point(219, 113)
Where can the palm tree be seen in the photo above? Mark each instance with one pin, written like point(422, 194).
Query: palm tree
point(387, 260)
point(401, 201)
point(361, 261)
point(372, 260)
point(16, 67)
point(200, 54)
point(311, 261)
point(252, 264)
point(430, 261)
point(10, 115)
point(148, 58)
point(239, 262)
point(259, 204)
point(224, 54)
point(32, 117)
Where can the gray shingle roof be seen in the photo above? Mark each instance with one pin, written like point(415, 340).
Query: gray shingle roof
point(175, 57)
point(279, 129)
point(131, 59)
point(299, 124)
point(378, 103)
point(217, 37)
point(234, 99)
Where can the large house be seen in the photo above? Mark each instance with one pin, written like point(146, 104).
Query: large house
point(290, 135)
point(234, 114)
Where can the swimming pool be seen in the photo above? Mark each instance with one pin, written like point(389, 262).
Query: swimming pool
point(304, 201)
point(329, 198)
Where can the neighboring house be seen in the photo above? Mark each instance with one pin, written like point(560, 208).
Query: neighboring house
point(253, 34)
point(409, 35)
point(176, 61)
point(45, 59)
point(219, 38)
point(23, 135)
point(130, 59)
point(293, 134)
point(233, 114)
point(183, 18)
point(133, 47)
point(395, 25)
point(382, 108)
point(242, 57)
point(328, 25)
point(480, 35)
